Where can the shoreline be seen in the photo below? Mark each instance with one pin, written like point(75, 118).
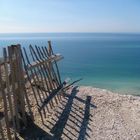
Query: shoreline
point(126, 93)
point(120, 91)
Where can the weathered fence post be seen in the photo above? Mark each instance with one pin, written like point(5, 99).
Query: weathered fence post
point(17, 84)
point(5, 108)
point(19, 81)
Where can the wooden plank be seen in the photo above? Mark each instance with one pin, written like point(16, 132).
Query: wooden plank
point(23, 84)
point(8, 91)
point(49, 42)
point(57, 57)
point(20, 81)
point(5, 108)
point(12, 66)
point(1, 132)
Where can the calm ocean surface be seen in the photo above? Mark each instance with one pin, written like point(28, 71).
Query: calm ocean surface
point(110, 61)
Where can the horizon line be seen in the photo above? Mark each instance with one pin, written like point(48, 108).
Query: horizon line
point(69, 32)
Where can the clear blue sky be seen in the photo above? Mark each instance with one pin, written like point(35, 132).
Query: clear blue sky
point(69, 16)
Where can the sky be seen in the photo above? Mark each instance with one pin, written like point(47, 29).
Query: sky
point(23, 16)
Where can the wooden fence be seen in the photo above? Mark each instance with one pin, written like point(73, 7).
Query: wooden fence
point(39, 70)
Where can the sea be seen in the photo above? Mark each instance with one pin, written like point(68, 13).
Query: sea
point(103, 60)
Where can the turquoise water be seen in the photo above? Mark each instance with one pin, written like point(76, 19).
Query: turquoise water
point(103, 60)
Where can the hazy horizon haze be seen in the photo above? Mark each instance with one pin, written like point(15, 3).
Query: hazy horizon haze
point(113, 16)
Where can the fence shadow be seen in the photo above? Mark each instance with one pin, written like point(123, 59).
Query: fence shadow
point(71, 120)
point(34, 132)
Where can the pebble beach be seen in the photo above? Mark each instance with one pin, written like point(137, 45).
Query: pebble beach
point(90, 113)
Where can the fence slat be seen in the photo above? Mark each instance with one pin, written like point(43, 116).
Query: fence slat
point(8, 90)
point(1, 132)
point(14, 86)
point(5, 108)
